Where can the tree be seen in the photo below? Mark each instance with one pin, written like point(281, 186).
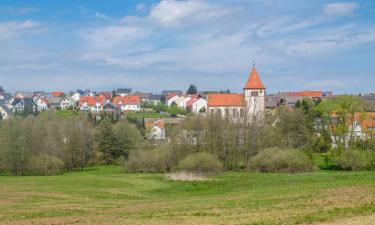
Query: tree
point(106, 140)
point(127, 138)
point(339, 115)
point(192, 90)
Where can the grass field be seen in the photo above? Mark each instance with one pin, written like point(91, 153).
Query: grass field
point(106, 195)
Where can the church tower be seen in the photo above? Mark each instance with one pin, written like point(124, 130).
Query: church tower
point(254, 93)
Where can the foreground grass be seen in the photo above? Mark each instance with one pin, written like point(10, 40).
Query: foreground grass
point(106, 195)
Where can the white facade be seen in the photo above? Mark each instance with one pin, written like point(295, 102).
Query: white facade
point(130, 107)
point(41, 105)
point(255, 103)
point(182, 103)
point(76, 96)
point(171, 100)
point(198, 105)
point(234, 112)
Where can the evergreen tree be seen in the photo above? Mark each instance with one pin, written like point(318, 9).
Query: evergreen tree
point(192, 90)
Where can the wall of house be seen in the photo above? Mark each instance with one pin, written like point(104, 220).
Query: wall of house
point(234, 112)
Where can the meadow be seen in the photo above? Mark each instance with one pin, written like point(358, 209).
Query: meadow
point(107, 195)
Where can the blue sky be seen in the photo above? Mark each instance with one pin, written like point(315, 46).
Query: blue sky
point(154, 45)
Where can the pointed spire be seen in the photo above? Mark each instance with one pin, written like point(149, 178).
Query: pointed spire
point(254, 81)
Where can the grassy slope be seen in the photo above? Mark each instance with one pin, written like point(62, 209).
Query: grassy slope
point(105, 195)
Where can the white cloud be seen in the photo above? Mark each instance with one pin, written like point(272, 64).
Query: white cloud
point(101, 16)
point(107, 37)
point(173, 13)
point(13, 28)
point(340, 8)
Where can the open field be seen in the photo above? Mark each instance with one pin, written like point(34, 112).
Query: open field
point(106, 195)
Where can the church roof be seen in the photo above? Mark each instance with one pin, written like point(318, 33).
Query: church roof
point(254, 81)
point(215, 100)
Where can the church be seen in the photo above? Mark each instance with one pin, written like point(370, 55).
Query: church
point(247, 106)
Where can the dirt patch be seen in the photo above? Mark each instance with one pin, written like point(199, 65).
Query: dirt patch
point(345, 197)
point(186, 176)
point(360, 220)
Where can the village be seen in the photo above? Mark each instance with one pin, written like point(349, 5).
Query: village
point(171, 106)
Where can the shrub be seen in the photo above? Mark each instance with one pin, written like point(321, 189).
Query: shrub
point(45, 165)
point(352, 159)
point(152, 161)
point(279, 160)
point(202, 162)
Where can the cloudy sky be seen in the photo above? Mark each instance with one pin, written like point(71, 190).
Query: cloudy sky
point(151, 45)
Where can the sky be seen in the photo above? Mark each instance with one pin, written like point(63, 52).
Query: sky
point(155, 45)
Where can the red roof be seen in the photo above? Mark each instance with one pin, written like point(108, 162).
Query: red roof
point(107, 95)
point(91, 101)
point(313, 94)
point(57, 93)
point(254, 81)
point(193, 99)
point(225, 100)
point(124, 100)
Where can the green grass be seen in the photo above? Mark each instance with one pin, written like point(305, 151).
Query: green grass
point(106, 195)
point(60, 113)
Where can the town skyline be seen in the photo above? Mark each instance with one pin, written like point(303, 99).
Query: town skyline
point(147, 46)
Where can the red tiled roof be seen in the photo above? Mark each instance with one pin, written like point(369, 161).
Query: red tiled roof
point(123, 100)
point(107, 95)
point(313, 94)
point(225, 100)
point(254, 81)
point(57, 93)
point(91, 101)
point(193, 99)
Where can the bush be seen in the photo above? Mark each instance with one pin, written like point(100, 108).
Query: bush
point(278, 160)
point(202, 162)
point(352, 159)
point(146, 161)
point(45, 165)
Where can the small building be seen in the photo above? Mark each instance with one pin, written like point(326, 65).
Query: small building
point(123, 92)
point(128, 103)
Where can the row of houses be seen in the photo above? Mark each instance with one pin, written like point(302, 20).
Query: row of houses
point(193, 103)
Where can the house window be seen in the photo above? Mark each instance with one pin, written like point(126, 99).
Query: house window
point(241, 113)
point(212, 111)
point(371, 128)
point(234, 113)
point(226, 112)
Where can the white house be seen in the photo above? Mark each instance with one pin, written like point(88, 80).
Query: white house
point(76, 96)
point(182, 104)
point(128, 103)
point(5, 112)
point(172, 99)
point(157, 131)
point(42, 104)
point(199, 105)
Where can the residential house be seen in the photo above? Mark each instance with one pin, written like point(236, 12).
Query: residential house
point(155, 128)
point(182, 104)
point(19, 105)
point(123, 92)
point(198, 106)
point(76, 96)
point(170, 99)
point(91, 103)
point(127, 103)
point(166, 93)
point(5, 112)
point(42, 103)
point(55, 102)
point(110, 107)
point(58, 94)
point(67, 103)
point(250, 104)
point(22, 94)
point(158, 130)
point(155, 99)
